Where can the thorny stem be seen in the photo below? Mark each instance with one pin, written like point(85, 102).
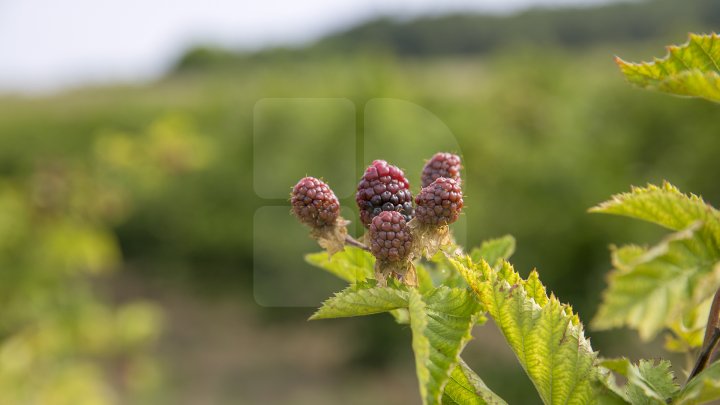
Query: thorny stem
point(349, 240)
point(712, 337)
point(705, 353)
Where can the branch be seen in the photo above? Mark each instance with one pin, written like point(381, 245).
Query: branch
point(705, 353)
point(712, 337)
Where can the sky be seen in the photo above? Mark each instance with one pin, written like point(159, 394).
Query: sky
point(49, 45)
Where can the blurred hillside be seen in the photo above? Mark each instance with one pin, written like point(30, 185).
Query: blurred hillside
point(616, 23)
point(204, 159)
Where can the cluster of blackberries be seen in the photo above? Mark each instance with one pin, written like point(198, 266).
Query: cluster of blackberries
point(386, 204)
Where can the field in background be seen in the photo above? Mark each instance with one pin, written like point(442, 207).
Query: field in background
point(545, 133)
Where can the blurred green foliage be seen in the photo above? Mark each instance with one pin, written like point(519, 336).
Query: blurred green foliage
point(162, 176)
point(61, 342)
point(544, 135)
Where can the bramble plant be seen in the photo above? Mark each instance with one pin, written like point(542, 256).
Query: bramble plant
point(409, 265)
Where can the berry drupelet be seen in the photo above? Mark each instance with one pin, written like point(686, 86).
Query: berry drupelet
point(390, 240)
point(439, 203)
point(383, 187)
point(441, 165)
point(314, 203)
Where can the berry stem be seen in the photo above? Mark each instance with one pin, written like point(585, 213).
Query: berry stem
point(712, 337)
point(349, 240)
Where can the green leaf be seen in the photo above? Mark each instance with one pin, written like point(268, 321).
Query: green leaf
point(705, 387)
point(441, 322)
point(466, 388)
point(658, 382)
point(494, 250)
point(401, 315)
point(655, 288)
point(665, 206)
point(545, 335)
point(425, 282)
point(647, 383)
point(691, 69)
point(688, 332)
point(652, 288)
point(608, 392)
point(352, 265)
point(444, 273)
point(362, 300)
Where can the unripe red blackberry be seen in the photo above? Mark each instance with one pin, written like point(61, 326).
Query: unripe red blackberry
point(314, 203)
point(390, 240)
point(439, 203)
point(441, 165)
point(383, 187)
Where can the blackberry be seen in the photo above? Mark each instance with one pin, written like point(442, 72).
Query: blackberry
point(390, 240)
point(441, 165)
point(314, 203)
point(383, 187)
point(439, 203)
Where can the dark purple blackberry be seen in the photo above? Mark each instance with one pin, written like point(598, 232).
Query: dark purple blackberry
point(441, 165)
point(314, 203)
point(390, 240)
point(383, 187)
point(439, 203)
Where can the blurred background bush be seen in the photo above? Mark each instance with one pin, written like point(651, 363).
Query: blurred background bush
point(147, 254)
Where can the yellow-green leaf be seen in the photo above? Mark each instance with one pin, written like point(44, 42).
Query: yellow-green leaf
point(466, 388)
point(545, 335)
point(352, 264)
point(362, 300)
point(647, 383)
point(654, 288)
point(666, 206)
point(494, 250)
point(441, 322)
point(691, 69)
point(703, 388)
